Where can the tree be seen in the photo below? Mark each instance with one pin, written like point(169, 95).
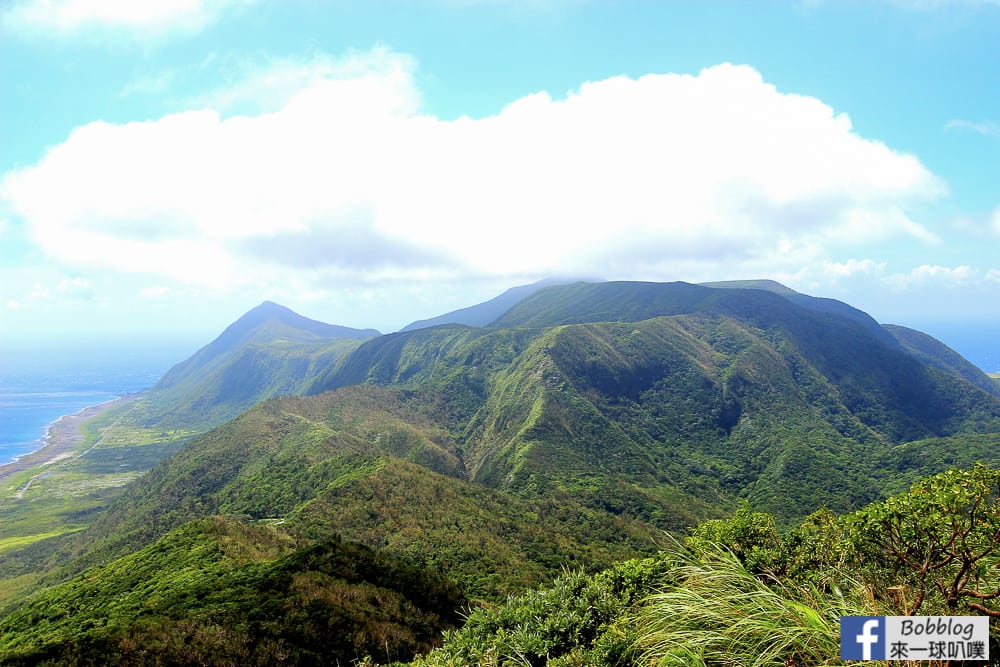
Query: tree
point(941, 538)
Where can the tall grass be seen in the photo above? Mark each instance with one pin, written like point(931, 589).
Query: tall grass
point(719, 614)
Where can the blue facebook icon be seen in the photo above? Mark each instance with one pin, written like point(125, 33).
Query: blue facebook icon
point(862, 637)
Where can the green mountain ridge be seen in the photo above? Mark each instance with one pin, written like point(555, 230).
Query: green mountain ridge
point(372, 465)
point(758, 391)
point(267, 323)
point(738, 394)
point(482, 314)
point(936, 353)
point(270, 351)
point(571, 432)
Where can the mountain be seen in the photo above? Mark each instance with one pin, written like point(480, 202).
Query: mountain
point(569, 433)
point(818, 304)
point(644, 396)
point(584, 302)
point(938, 354)
point(482, 314)
point(662, 403)
point(635, 301)
point(373, 465)
point(267, 352)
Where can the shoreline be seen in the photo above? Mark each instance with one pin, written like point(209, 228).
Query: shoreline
point(61, 439)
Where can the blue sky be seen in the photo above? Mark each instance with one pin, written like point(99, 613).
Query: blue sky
point(167, 165)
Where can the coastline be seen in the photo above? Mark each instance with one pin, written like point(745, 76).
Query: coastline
point(62, 437)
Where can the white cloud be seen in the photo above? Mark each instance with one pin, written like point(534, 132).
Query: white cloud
point(68, 17)
point(852, 268)
point(928, 274)
point(156, 84)
point(156, 292)
point(337, 177)
point(77, 288)
point(986, 128)
point(264, 85)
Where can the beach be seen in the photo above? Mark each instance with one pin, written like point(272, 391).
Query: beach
point(62, 438)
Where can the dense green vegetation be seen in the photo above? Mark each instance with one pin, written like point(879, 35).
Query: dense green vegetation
point(518, 484)
point(933, 352)
point(216, 591)
point(268, 352)
point(739, 393)
point(368, 464)
point(740, 592)
point(736, 591)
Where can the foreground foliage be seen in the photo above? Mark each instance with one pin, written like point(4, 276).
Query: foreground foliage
point(720, 613)
point(577, 620)
point(737, 591)
point(220, 592)
point(740, 592)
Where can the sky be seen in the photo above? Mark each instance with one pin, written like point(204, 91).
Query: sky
point(167, 165)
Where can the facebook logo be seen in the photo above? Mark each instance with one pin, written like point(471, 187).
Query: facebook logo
point(862, 638)
point(914, 638)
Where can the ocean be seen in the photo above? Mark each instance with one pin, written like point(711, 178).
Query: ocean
point(38, 386)
point(979, 343)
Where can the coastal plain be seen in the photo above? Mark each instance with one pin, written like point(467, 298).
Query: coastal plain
point(62, 439)
point(87, 458)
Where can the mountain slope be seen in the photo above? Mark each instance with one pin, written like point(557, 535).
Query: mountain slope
point(267, 352)
point(572, 431)
point(939, 355)
point(482, 314)
point(267, 323)
point(603, 302)
point(645, 396)
point(817, 304)
point(215, 590)
point(372, 465)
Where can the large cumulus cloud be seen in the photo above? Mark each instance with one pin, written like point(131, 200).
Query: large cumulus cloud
point(348, 179)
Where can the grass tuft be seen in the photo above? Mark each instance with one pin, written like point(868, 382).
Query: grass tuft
point(718, 613)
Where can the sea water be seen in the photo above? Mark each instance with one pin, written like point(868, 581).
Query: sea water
point(40, 385)
point(980, 344)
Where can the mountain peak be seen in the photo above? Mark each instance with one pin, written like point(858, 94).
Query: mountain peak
point(269, 322)
point(306, 328)
point(762, 283)
point(480, 315)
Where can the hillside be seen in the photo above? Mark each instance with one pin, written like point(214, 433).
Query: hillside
point(267, 323)
point(734, 394)
point(482, 314)
point(634, 395)
point(572, 432)
point(267, 352)
point(373, 465)
point(934, 352)
point(215, 591)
